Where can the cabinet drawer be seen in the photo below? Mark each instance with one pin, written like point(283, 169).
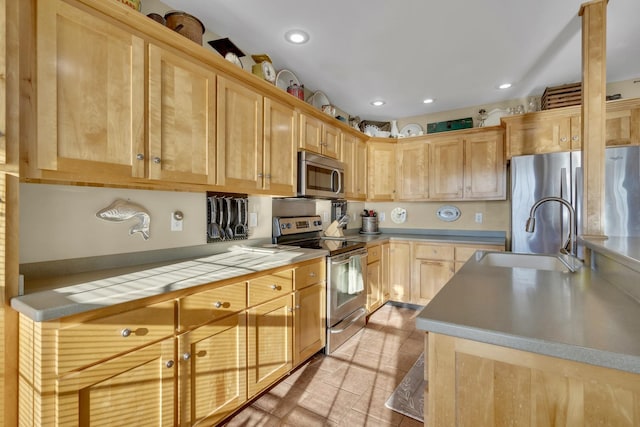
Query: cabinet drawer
point(463, 253)
point(271, 286)
point(209, 305)
point(311, 274)
point(373, 253)
point(85, 343)
point(424, 251)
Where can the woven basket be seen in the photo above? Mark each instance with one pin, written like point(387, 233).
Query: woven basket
point(562, 96)
point(185, 24)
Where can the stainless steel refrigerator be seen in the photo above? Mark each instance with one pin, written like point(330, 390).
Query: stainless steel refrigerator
point(560, 175)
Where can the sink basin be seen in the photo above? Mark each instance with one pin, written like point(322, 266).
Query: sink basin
point(558, 262)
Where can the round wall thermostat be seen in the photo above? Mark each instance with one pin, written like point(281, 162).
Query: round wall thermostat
point(399, 215)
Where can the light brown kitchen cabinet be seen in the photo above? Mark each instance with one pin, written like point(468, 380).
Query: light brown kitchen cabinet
point(181, 119)
point(623, 122)
point(386, 270)
point(464, 252)
point(381, 167)
point(212, 367)
point(319, 137)
point(354, 157)
point(239, 136)
point(543, 132)
point(374, 277)
point(469, 166)
point(269, 343)
point(3, 107)
point(433, 266)
point(412, 179)
point(400, 271)
point(279, 163)
point(90, 115)
point(309, 316)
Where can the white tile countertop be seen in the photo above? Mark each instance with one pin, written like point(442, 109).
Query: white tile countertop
point(577, 316)
point(107, 288)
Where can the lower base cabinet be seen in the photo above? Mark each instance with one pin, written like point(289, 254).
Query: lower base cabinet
point(212, 370)
point(375, 297)
point(310, 322)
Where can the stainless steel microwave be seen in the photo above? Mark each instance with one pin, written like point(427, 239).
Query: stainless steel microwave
point(320, 176)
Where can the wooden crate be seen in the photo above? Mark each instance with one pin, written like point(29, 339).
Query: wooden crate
point(562, 96)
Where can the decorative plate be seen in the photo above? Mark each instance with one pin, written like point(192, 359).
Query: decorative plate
point(412, 129)
point(399, 215)
point(318, 99)
point(233, 58)
point(448, 213)
point(371, 130)
point(284, 78)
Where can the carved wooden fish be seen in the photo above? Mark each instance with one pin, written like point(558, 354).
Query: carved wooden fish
point(122, 210)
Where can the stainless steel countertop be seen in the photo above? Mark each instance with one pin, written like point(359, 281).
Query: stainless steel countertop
point(100, 289)
point(625, 250)
point(577, 316)
point(435, 236)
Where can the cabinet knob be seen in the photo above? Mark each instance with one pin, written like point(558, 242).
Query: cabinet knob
point(186, 356)
point(575, 138)
point(274, 287)
point(140, 156)
point(563, 139)
point(217, 304)
point(125, 332)
point(298, 307)
point(169, 363)
point(157, 160)
point(260, 175)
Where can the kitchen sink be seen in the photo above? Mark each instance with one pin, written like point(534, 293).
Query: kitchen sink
point(559, 262)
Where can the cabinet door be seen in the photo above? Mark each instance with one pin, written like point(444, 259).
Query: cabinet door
point(331, 137)
point(360, 179)
point(400, 271)
point(374, 286)
point(484, 166)
point(309, 322)
point(430, 277)
point(347, 156)
point(279, 169)
point(539, 133)
point(446, 171)
point(385, 272)
point(623, 126)
point(181, 118)
point(212, 378)
point(90, 109)
point(239, 136)
point(134, 389)
point(381, 166)
point(413, 171)
point(269, 343)
point(310, 134)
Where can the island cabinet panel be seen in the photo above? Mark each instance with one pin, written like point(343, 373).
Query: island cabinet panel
point(181, 118)
point(134, 389)
point(477, 384)
point(90, 110)
point(212, 370)
point(269, 343)
point(433, 266)
point(239, 136)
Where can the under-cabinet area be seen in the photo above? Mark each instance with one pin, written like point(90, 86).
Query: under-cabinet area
point(195, 357)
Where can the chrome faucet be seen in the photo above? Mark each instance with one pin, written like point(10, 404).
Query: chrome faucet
point(568, 245)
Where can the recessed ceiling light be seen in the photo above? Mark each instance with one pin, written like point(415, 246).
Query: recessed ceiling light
point(296, 36)
point(428, 100)
point(377, 103)
point(504, 86)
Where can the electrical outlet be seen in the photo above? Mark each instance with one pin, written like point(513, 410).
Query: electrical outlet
point(325, 216)
point(479, 217)
point(381, 216)
point(176, 224)
point(253, 219)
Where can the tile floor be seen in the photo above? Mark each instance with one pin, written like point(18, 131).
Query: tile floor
point(350, 387)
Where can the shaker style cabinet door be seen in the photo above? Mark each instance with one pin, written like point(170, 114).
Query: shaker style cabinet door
point(485, 169)
point(134, 389)
point(181, 118)
point(413, 170)
point(446, 171)
point(90, 93)
point(279, 168)
point(381, 179)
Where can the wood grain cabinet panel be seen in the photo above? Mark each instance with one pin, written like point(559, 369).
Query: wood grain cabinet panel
point(279, 162)
point(319, 137)
point(485, 169)
point(212, 380)
point(270, 286)
point(381, 166)
point(400, 271)
point(90, 110)
point(354, 156)
point(309, 274)
point(446, 177)
point(181, 118)
point(206, 306)
point(309, 322)
point(412, 179)
point(544, 132)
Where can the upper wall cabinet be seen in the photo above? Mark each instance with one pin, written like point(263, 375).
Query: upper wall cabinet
point(318, 136)
point(354, 156)
point(279, 163)
point(412, 177)
point(90, 96)
point(381, 166)
point(181, 120)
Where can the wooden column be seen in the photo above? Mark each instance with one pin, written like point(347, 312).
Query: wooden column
point(594, 79)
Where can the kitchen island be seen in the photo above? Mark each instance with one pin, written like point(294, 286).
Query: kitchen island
point(522, 346)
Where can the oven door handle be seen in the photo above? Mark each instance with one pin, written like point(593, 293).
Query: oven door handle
point(346, 260)
point(351, 322)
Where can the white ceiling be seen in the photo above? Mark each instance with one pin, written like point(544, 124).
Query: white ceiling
point(455, 51)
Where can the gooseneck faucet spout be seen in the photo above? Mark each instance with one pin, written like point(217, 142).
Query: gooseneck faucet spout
point(568, 245)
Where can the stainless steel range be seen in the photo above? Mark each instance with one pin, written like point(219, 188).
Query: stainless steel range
point(346, 273)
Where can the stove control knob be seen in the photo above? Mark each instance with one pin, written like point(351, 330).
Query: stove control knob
point(317, 223)
point(283, 226)
point(289, 225)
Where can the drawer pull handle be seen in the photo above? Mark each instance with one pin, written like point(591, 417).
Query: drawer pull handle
point(169, 364)
point(217, 304)
point(186, 356)
point(275, 287)
point(126, 332)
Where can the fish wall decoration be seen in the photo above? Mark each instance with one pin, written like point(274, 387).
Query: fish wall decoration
point(123, 210)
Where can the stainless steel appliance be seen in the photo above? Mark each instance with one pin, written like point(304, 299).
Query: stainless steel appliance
point(320, 176)
point(560, 175)
point(346, 274)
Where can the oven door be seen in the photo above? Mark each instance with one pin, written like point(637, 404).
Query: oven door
point(346, 285)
